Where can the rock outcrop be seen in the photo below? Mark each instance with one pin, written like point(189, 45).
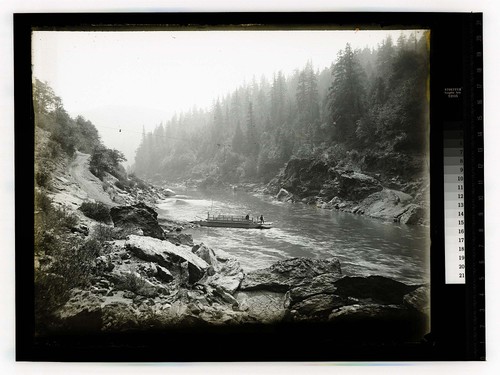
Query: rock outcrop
point(413, 214)
point(333, 186)
point(362, 306)
point(282, 275)
point(167, 254)
point(137, 217)
point(273, 289)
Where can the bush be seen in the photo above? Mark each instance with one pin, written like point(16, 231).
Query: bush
point(42, 201)
point(136, 181)
point(97, 211)
point(133, 282)
point(120, 185)
point(103, 233)
point(51, 292)
point(42, 179)
point(125, 184)
point(61, 218)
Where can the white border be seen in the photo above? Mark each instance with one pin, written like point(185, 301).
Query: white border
point(492, 135)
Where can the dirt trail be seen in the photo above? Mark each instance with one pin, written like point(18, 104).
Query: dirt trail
point(79, 170)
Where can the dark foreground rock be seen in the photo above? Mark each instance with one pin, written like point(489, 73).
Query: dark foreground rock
point(282, 275)
point(146, 290)
point(377, 289)
point(316, 298)
point(137, 217)
point(419, 300)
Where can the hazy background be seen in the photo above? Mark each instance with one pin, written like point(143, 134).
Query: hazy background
point(130, 80)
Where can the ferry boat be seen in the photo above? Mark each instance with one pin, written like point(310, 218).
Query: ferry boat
point(227, 221)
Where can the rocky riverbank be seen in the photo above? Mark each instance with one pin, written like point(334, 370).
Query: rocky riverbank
point(145, 280)
point(149, 275)
point(315, 182)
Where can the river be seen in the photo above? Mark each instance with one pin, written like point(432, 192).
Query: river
point(364, 246)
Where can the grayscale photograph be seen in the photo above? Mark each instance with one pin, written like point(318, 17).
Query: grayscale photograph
point(189, 178)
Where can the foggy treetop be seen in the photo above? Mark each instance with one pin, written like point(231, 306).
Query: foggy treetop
point(367, 99)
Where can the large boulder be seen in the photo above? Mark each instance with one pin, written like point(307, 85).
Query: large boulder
point(354, 186)
point(285, 274)
point(419, 300)
point(412, 214)
point(386, 204)
point(319, 285)
point(165, 254)
point(225, 272)
point(264, 306)
point(208, 255)
point(137, 217)
point(305, 176)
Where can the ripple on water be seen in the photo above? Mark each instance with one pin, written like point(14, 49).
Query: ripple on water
point(364, 246)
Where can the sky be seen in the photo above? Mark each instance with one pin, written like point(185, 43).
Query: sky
point(130, 80)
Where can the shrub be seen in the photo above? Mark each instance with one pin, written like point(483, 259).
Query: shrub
point(42, 178)
point(133, 282)
point(42, 201)
point(51, 219)
point(120, 185)
point(103, 233)
point(124, 184)
point(61, 218)
point(51, 292)
point(97, 211)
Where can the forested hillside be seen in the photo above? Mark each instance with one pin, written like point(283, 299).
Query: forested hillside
point(368, 112)
point(68, 135)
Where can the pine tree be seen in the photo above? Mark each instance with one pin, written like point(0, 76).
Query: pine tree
point(346, 96)
point(238, 142)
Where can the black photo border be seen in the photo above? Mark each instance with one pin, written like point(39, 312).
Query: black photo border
point(457, 311)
